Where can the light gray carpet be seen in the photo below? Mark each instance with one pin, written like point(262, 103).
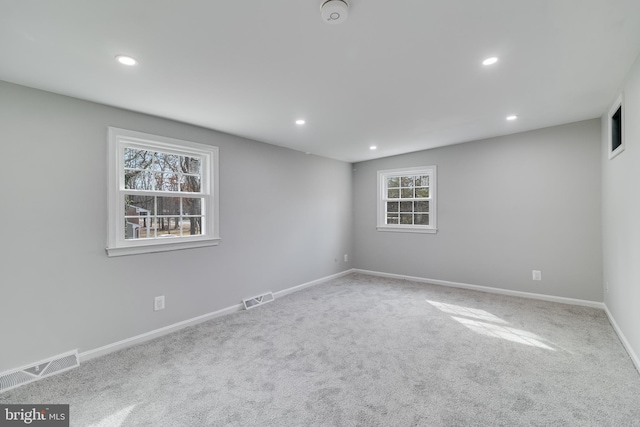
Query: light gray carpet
point(364, 351)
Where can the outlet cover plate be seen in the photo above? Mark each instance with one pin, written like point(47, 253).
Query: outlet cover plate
point(158, 303)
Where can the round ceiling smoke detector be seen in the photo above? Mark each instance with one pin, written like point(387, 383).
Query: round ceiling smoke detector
point(334, 11)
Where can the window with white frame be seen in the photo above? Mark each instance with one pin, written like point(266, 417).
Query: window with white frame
point(407, 200)
point(163, 193)
point(615, 126)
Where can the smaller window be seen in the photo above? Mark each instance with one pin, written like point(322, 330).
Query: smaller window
point(163, 193)
point(616, 128)
point(407, 200)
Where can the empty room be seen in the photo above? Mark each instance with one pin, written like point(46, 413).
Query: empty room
point(320, 213)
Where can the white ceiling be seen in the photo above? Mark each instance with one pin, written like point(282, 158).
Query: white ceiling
point(404, 75)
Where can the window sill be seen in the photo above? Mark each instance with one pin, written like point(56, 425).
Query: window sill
point(407, 229)
point(161, 247)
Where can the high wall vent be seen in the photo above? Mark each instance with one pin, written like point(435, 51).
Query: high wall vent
point(44, 368)
point(256, 301)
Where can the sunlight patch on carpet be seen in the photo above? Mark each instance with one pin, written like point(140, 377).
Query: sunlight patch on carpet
point(487, 324)
point(467, 312)
point(506, 333)
point(115, 420)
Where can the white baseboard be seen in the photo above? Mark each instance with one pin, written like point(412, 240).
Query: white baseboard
point(488, 289)
point(312, 283)
point(128, 342)
point(623, 339)
point(109, 348)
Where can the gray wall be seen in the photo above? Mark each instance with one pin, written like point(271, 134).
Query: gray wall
point(621, 219)
point(284, 219)
point(506, 206)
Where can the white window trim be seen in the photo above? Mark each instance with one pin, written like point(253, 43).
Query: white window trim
point(116, 244)
point(618, 104)
point(433, 206)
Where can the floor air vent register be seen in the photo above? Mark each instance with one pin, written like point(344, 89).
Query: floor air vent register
point(256, 301)
point(45, 368)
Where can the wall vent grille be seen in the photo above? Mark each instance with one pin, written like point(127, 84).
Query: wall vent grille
point(259, 300)
point(44, 368)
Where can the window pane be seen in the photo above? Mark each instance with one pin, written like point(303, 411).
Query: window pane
point(146, 230)
point(422, 181)
point(138, 216)
point(421, 219)
point(406, 206)
point(166, 181)
point(392, 219)
point(192, 206)
point(190, 183)
point(406, 218)
point(406, 181)
point(191, 226)
point(190, 165)
point(139, 205)
point(422, 206)
point(167, 227)
point(393, 206)
point(393, 194)
point(393, 182)
point(422, 192)
point(167, 162)
point(616, 129)
point(137, 159)
point(138, 180)
point(407, 193)
point(168, 206)
point(131, 229)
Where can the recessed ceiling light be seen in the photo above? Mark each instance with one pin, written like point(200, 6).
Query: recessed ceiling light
point(300, 122)
point(513, 117)
point(373, 147)
point(126, 60)
point(490, 61)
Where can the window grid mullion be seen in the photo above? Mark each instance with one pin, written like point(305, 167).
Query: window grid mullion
point(155, 214)
point(163, 193)
point(180, 221)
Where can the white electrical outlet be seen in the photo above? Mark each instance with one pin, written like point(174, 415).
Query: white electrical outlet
point(346, 258)
point(158, 303)
point(536, 274)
